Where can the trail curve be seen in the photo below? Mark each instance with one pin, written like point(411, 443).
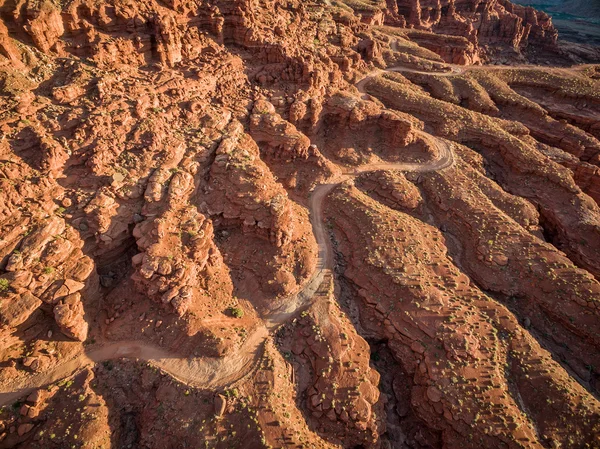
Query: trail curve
point(215, 373)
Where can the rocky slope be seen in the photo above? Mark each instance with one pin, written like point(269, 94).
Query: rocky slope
point(327, 223)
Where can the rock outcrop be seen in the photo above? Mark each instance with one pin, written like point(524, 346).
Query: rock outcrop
point(481, 22)
point(330, 362)
point(449, 336)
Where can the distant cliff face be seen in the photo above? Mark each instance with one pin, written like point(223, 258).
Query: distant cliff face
point(482, 22)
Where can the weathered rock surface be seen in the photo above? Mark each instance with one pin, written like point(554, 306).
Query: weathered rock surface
point(170, 189)
point(479, 23)
point(330, 362)
point(522, 168)
point(450, 337)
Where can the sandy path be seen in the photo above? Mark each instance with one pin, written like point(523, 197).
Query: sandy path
point(214, 373)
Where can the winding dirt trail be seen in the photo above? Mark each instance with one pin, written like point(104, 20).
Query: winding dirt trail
point(214, 373)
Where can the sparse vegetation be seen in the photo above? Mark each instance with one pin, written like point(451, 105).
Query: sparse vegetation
point(4, 285)
point(236, 312)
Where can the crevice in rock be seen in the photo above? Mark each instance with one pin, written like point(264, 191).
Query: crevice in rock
point(403, 427)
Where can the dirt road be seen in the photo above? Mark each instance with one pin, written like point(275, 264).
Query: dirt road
point(214, 373)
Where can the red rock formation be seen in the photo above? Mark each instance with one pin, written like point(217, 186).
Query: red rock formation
point(460, 347)
point(481, 22)
point(167, 169)
point(525, 170)
point(288, 152)
point(331, 366)
point(354, 131)
point(242, 189)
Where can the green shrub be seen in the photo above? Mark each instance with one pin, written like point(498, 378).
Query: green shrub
point(236, 312)
point(4, 285)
